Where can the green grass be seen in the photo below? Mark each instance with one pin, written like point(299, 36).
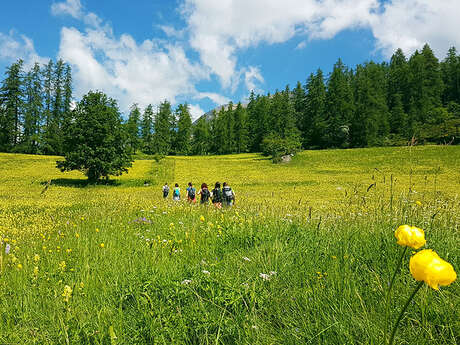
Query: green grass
point(333, 250)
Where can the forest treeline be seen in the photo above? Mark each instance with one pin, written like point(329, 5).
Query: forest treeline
point(373, 104)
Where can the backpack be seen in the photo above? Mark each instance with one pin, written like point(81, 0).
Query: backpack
point(165, 191)
point(176, 192)
point(191, 193)
point(216, 195)
point(205, 195)
point(228, 193)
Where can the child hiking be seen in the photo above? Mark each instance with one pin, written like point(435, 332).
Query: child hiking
point(217, 196)
point(176, 193)
point(165, 190)
point(191, 193)
point(204, 193)
point(228, 197)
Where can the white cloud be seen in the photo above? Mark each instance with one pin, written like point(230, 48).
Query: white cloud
point(195, 111)
point(218, 29)
point(301, 45)
point(409, 24)
point(22, 47)
point(69, 7)
point(127, 71)
point(251, 76)
point(215, 97)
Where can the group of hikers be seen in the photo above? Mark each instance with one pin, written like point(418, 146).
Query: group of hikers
point(219, 196)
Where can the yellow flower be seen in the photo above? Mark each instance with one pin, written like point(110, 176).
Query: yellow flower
point(36, 257)
point(101, 245)
point(19, 267)
point(67, 293)
point(68, 250)
point(202, 218)
point(410, 236)
point(77, 235)
point(97, 230)
point(62, 265)
point(419, 203)
point(36, 271)
point(426, 265)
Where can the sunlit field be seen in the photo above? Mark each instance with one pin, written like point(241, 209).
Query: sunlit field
point(304, 257)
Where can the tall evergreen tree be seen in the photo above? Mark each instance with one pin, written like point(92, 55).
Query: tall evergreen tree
point(12, 100)
point(133, 126)
point(33, 111)
point(147, 130)
point(201, 137)
point(339, 106)
point(241, 129)
point(184, 129)
point(450, 68)
point(314, 120)
point(163, 129)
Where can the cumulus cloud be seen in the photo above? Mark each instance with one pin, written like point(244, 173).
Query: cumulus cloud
point(68, 7)
point(215, 97)
point(218, 29)
point(13, 47)
point(409, 24)
point(145, 73)
point(252, 77)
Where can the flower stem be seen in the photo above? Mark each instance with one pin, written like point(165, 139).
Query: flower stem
point(387, 298)
point(411, 297)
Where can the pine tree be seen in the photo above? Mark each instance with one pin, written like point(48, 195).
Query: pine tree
point(450, 68)
point(132, 127)
point(241, 130)
point(201, 137)
point(314, 122)
point(163, 129)
point(147, 130)
point(33, 111)
point(184, 129)
point(339, 106)
point(398, 80)
point(12, 100)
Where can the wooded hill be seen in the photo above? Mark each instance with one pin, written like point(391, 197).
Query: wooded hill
point(372, 104)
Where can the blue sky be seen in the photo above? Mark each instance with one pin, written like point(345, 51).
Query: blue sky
point(208, 52)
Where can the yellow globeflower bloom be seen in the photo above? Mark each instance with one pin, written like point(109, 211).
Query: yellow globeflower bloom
point(202, 218)
point(426, 265)
point(102, 245)
point(410, 236)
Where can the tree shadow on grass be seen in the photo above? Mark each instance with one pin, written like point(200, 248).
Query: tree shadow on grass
point(78, 183)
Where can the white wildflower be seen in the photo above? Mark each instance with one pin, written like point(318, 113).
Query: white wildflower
point(206, 272)
point(264, 276)
point(186, 282)
point(245, 258)
point(273, 273)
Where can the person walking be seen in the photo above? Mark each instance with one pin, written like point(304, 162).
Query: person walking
point(176, 193)
point(191, 193)
point(165, 190)
point(217, 195)
point(228, 196)
point(204, 193)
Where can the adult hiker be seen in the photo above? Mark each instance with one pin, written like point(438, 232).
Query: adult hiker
point(176, 193)
point(165, 190)
point(191, 193)
point(228, 196)
point(217, 196)
point(204, 193)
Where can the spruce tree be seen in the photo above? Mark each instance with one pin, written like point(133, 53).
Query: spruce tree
point(314, 120)
point(163, 129)
point(12, 100)
point(201, 137)
point(147, 130)
point(33, 111)
point(241, 129)
point(339, 106)
point(133, 126)
point(184, 129)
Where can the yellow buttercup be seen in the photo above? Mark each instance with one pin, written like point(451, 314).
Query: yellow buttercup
point(410, 236)
point(427, 266)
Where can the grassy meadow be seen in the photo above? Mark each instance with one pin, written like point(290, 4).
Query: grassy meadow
point(304, 257)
